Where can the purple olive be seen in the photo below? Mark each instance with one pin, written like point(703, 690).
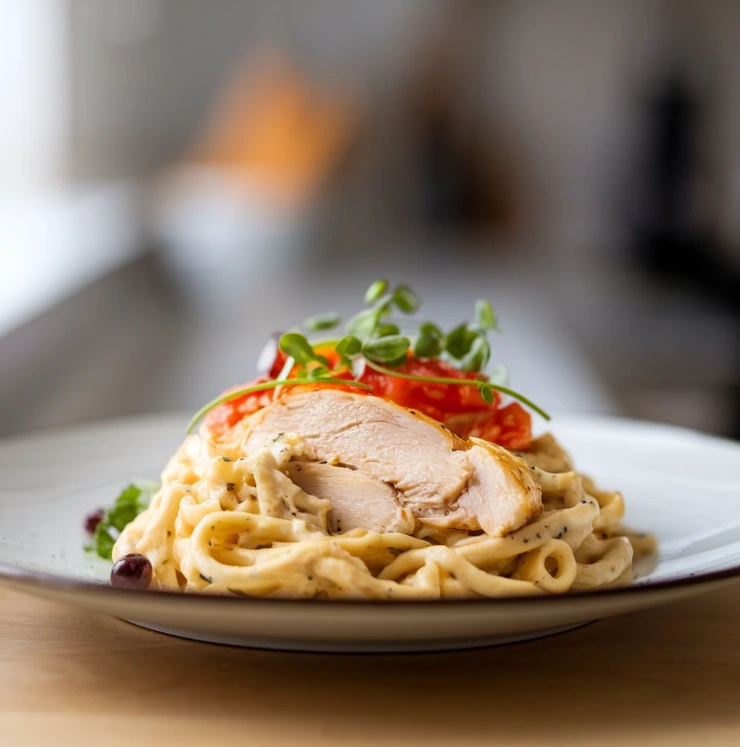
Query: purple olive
point(132, 572)
point(92, 520)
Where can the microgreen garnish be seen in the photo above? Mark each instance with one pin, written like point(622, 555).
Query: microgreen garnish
point(430, 329)
point(485, 316)
point(386, 349)
point(477, 357)
point(375, 291)
point(375, 339)
point(386, 330)
point(348, 346)
point(300, 349)
point(363, 324)
point(406, 300)
point(457, 342)
point(322, 321)
point(427, 346)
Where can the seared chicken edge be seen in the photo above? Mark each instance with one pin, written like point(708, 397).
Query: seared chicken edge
point(390, 469)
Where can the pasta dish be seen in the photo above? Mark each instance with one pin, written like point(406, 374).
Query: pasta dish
point(375, 465)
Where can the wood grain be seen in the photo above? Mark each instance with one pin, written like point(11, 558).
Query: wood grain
point(669, 676)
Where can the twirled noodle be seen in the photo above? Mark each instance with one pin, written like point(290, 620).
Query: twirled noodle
point(227, 523)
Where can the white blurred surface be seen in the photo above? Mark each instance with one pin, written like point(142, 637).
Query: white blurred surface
point(53, 242)
point(216, 229)
point(34, 71)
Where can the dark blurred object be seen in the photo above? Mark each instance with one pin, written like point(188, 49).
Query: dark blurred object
point(673, 218)
point(672, 223)
point(448, 192)
point(463, 179)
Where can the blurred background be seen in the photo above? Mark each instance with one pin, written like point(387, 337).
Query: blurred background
point(179, 179)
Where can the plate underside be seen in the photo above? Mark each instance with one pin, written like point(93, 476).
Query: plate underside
point(354, 647)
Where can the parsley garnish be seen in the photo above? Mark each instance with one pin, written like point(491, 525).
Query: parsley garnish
point(129, 504)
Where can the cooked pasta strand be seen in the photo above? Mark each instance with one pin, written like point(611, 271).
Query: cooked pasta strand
point(227, 523)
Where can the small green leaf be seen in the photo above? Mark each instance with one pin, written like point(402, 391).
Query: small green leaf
point(485, 316)
point(387, 330)
point(130, 503)
point(386, 349)
point(430, 329)
point(486, 394)
point(478, 355)
point(322, 321)
point(406, 300)
point(319, 372)
point(459, 341)
point(375, 291)
point(383, 305)
point(396, 362)
point(103, 544)
point(298, 347)
point(349, 345)
point(427, 346)
point(363, 324)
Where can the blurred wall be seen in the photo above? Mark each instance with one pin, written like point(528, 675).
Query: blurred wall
point(566, 79)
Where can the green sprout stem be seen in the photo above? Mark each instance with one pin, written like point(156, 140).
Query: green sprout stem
point(480, 383)
point(286, 369)
point(268, 385)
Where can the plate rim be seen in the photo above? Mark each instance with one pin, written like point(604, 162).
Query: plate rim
point(20, 575)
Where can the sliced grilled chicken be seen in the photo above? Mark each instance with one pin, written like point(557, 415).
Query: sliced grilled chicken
point(357, 499)
point(439, 478)
point(421, 459)
point(500, 496)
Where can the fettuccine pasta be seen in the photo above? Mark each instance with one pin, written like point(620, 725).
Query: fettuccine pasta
point(229, 523)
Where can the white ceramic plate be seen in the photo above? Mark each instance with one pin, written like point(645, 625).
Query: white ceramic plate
point(681, 485)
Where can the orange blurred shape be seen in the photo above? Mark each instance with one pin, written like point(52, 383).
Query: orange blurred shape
point(271, 127)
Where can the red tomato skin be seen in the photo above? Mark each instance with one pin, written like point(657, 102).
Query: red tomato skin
point(510, 427)
point(225, 416)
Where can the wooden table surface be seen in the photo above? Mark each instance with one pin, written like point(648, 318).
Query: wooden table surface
point(668, 676)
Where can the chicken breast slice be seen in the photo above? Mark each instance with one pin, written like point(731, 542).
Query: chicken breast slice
point(422, 460)
point(393, 464)
point(500, 496)
point(357, 499)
